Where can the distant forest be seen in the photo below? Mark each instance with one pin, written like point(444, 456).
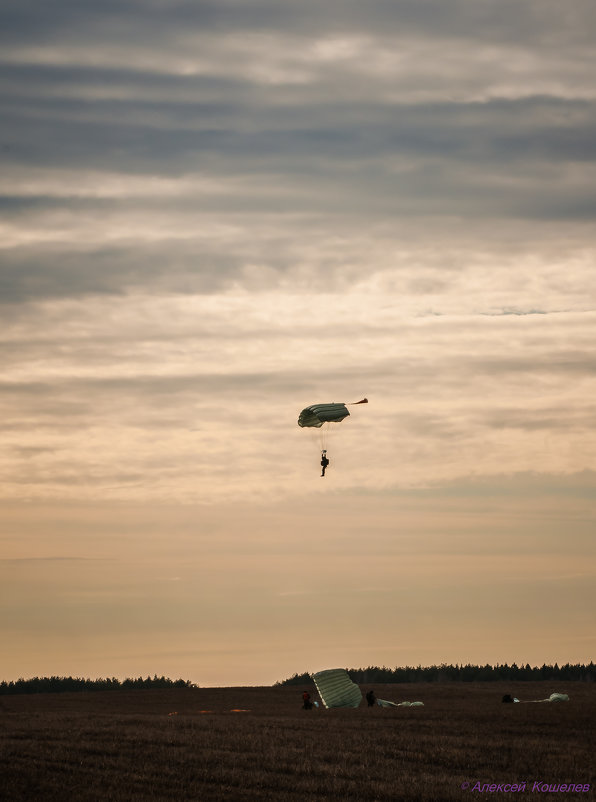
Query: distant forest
point(69, 684)
point(462, 673)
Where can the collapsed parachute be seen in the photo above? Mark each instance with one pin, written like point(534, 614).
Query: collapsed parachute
point(385, 703)
point(336, 689)
point(554, 697)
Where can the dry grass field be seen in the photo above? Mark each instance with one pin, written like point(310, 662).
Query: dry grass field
point(258, 744)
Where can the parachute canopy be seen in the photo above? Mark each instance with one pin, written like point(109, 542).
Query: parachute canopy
point(558, 697)
point(336, 689)
point(385, 703)
point(318, 414)
point(554, 697)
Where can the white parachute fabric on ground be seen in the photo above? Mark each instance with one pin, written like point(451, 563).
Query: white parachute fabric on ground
point(318, 414)
point(385, 703)
point(554, 697)
point(336, 689)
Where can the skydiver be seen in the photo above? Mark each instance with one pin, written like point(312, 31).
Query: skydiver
point(324, 461)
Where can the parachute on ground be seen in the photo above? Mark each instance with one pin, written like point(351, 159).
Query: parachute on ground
point(557, 697)
point(336, 689)
point(386, 703)
point(554, 697)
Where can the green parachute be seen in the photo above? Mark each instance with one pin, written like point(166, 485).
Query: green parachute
point(336, 689)
point(318, 415)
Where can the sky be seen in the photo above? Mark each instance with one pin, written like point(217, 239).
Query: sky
point(215, 214)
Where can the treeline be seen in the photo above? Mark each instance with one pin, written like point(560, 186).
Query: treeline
point(576, 672)
point(70, 684)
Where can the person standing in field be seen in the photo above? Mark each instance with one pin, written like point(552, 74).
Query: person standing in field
point(371, 698)
point(306, 703)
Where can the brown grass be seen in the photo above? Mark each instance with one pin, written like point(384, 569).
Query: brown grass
point(126, 745)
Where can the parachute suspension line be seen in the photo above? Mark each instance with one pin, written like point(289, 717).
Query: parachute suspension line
point(316, 436)
point(328, 432)
point(323, 435)
point(319, 437)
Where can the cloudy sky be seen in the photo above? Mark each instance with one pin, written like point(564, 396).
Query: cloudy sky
point(217, 213)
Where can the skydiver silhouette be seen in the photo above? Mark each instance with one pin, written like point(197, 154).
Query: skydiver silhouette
point(324, 461)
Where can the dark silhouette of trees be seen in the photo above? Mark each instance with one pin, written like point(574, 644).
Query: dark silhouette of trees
point(70, 684)
point(462, 673)
point(575, 672)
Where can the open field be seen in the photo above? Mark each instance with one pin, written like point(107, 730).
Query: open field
point(130, 745)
